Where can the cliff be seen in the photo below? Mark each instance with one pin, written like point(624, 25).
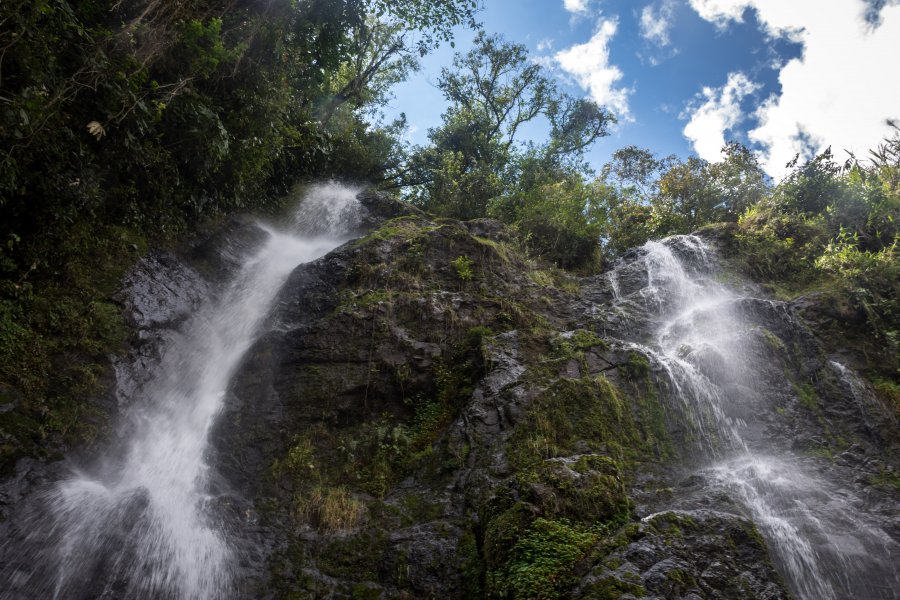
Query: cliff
point(430, 414)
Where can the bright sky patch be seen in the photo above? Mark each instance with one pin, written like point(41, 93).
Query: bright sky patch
point(784, 77)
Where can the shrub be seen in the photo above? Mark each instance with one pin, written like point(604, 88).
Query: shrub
point(542, 560)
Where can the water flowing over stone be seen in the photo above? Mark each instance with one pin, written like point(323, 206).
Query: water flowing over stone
point(137, 523)
point(720, 358)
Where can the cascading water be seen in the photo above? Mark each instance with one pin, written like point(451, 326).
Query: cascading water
point(139, 525)
point(712, 350)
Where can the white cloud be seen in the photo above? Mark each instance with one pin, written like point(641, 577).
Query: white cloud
point(578, 7)
point(656, 23)
point(840, 91)
point(589, 64)
point(721, 12)
point(719, 112)
point(545, 44)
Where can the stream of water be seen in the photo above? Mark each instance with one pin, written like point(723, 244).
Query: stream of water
point(711, 347)
point(139, 522)
point(138, 525)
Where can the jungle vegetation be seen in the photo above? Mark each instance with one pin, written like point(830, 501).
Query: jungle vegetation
point(130, 122)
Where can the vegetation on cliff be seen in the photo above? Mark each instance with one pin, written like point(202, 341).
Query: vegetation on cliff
point(122, 121)
point(129, 123)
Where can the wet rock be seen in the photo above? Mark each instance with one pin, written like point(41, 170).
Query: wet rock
point(380, 437)
point(688, 554)
point(423, 560)
point(161, 291)
point(381, 207)
point(219, 254)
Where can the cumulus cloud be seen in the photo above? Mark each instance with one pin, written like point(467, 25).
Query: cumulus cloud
point(578, 7)
point(589, 65)
point(655, 23)
point(717, 111)
point(840, 92)
point(721, 12)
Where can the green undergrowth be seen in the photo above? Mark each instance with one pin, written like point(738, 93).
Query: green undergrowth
point(541, 560)
point(57, 329)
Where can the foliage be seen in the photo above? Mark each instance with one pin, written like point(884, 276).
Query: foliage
point(834, 226)
point(781, 245)
point(136, 119)
point(542, 560)
point(463, 267)
point(475, 166)
point(558, 215)
point(650, 197)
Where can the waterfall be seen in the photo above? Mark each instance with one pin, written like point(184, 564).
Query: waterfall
point(139, 525)
point(712, 350)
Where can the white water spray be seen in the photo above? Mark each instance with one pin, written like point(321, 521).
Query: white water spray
point(143, 526)
point(706, 346)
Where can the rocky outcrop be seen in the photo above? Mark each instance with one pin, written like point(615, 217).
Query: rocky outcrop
point(687, 555)
point(430, 414)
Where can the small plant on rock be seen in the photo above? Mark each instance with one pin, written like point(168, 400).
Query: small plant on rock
point(463, 266)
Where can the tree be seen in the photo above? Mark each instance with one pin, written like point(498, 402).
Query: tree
point(635, 172)
point(651, 197)
point(739, 179)
point(493, 91)
point(131, 119)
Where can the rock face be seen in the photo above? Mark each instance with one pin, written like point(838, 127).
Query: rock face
point(428, 414)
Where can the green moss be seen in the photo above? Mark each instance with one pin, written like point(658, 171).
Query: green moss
point(887, 478)
point(499, 249)
point(822, 451)
point(542, 278)
point(374, 455)
point(773, 341)
point(362, 591)
point(652, 415)
point(752, 532)
point(419, 510)
point(589, 411)
point(573, 345)
point(541, 561)
point(471, 565)
point(889, 391)
point(408, 227)
point(807, 396)
point(598, 463)
point(637, 368)
point(593, 492)
point(611, 588)
point(367, 299)
point(582, 339)
point(299, 463)
point(671, 525)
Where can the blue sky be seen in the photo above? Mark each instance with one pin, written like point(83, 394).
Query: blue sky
point(782, 76)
